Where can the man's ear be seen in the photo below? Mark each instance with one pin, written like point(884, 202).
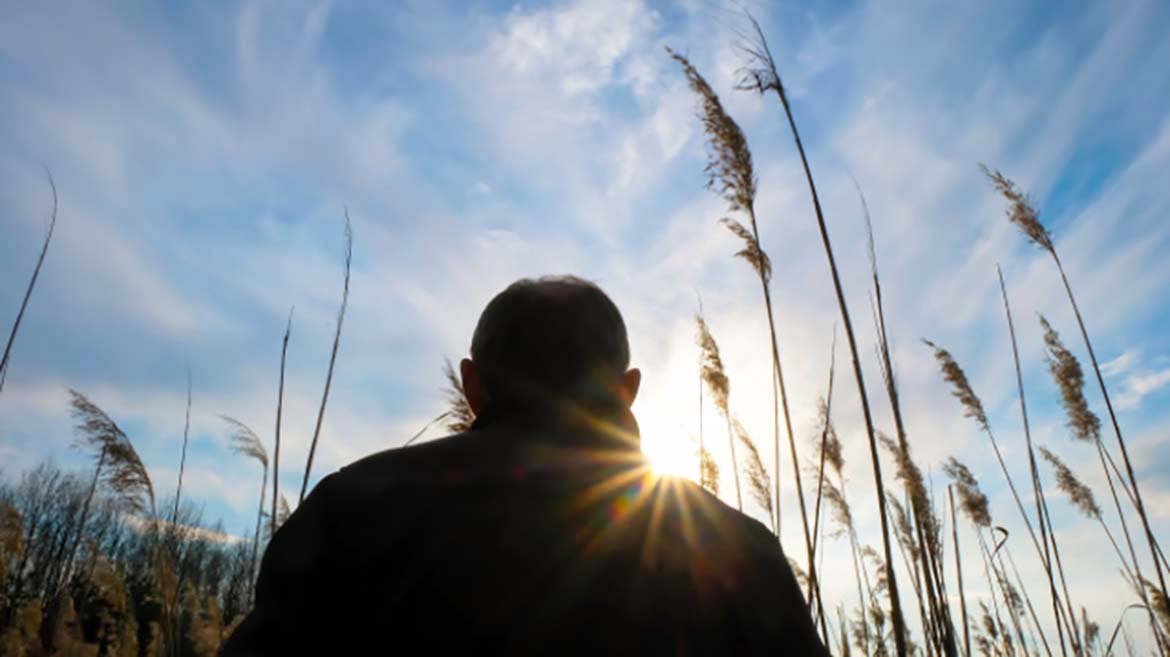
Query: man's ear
point(472, 386)
point(628, 389)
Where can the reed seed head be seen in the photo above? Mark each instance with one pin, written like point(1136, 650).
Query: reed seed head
point(1159, 604)
point(752, 252)
point(459, 414)
point(708, 471)
point(954, 375)
point(1020, 210)
point(122, 470)
point(902, 527)
point(1066, 371)
point(838, 505)
point(1078, 493)
point(729, 165)
point(711, 366)
point(759, 483)
point(831, 443)
point(971, 498)
point(245, 441)
point(911, 477)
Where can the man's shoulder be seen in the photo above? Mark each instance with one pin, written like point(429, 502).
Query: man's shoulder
point(410, 460)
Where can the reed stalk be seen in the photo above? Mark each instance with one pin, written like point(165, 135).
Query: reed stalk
point(823, 448)
point(1085, 426)
point(1023, 214)
point(922, 515)
point(279, 411)
point(246, 443)
point(959, 573)
point(731, 173)
point(332, 358)
point(183, 457)
point(973, 408)
point(1037, 489)
point(32, 283)
point(763, 79)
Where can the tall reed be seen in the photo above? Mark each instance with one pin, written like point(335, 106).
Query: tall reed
point(973, 408)
point(731, 173)
point(332, 358)
point(119, 469)
point(925, 525)
point(279, 412)
point(1023, 214)
point(959, 571)
point(4, 360)
point(1037, 488)
point(246, 443)
point(763, 78)
point(1086, 427)
point(183, 456)
point(717, 382)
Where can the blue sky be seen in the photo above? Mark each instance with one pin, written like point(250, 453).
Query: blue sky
point(205, 153)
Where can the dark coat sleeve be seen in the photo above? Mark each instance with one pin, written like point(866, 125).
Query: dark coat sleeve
point(288, 616)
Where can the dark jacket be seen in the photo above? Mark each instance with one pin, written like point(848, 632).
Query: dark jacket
point(522, 537)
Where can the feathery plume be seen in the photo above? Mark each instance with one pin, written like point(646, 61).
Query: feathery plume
point(911, 477)
point(282, 514)
point(902, 527)
point(752, 251)
point(1078, 493)
point(759, 483)
point(1067, 373)
point(838, 506)
point(459, 414)
point(711, 367)
point(709, 471)
point(711, 372)
point(832, 443)
point(971, 498)
point(1160, 605)
point(1020, 210)
point(123, 471)
point(954, 375)
point(245, 442)
point(729, 166)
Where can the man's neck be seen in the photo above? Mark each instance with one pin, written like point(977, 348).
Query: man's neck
point(609, 423)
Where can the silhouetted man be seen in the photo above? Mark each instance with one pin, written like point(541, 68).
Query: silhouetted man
point(541, 530)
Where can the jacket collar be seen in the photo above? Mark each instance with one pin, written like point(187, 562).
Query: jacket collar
point(609, 424)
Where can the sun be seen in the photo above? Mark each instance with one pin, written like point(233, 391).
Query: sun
point(666, 443)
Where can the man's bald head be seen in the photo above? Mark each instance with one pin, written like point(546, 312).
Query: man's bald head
point(549, 338)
